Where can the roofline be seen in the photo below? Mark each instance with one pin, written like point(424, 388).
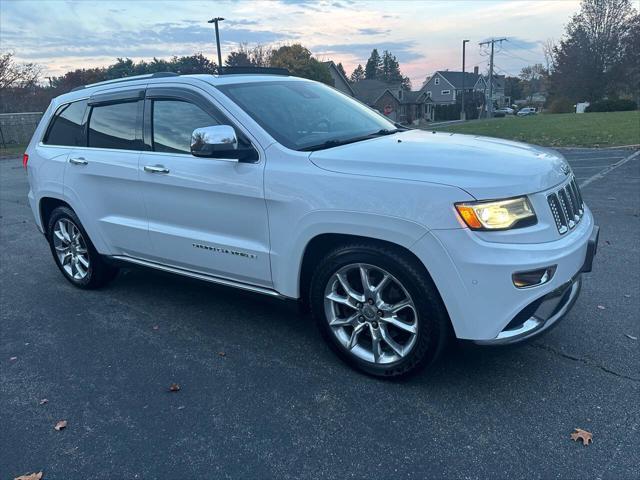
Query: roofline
point(344, 77)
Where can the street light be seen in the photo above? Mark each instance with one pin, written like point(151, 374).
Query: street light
point(463, 113)
point(215, 21)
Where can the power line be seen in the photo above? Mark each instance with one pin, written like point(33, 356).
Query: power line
point(491, 42)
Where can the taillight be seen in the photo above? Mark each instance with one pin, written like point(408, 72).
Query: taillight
point(25, 160)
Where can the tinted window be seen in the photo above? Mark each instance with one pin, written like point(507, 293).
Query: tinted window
point(173, 123)
point(114, 126)
point(66, 127)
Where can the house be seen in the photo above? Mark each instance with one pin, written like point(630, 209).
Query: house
point(339, 80)
point(392, 100)
point(444, 86)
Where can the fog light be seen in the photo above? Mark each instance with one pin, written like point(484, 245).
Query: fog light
point(533, 278)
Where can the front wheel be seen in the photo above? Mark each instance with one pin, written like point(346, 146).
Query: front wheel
point(378, 309)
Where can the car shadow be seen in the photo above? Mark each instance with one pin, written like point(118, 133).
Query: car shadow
point(252, 319)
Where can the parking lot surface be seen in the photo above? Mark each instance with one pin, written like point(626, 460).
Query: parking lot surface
point(263, 397)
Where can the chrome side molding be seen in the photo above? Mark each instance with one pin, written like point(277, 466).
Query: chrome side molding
point(200, 276)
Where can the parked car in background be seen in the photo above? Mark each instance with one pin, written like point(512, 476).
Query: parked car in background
point(506, 110)
point(394, 238)
point(526, 111)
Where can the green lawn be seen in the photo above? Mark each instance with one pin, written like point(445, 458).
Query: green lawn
point(560, 130)
point(12, 150)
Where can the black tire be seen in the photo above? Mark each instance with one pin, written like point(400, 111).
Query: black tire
point(99, 273)
point(433, 324)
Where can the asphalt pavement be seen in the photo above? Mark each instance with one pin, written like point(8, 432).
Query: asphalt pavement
point(263, 397)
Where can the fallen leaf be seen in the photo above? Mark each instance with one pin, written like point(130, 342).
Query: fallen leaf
point(222, 354)
point(30, 476)
point(13, 359)
point(181, 407)
point(601, 307)
point(174, 387)
point(156, 327)
point(43, 401)
point(630, 336)
point(583, 435)
point(60, 425)
point(626, 295)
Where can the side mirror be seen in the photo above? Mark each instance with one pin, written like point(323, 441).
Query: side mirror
point(220, 141)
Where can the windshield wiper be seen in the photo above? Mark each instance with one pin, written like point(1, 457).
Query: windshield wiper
point(336, 143)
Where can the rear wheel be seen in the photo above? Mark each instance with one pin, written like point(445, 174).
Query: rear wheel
point(74, 253)
point(378, 310)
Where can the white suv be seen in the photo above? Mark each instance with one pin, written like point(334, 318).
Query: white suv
point(395, 238)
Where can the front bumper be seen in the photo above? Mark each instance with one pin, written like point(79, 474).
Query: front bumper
point(474, 278)
point(547, 311)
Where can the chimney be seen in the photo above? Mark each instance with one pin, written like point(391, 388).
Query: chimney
point(475, 70)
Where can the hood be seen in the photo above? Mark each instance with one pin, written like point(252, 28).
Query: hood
point(485, 167)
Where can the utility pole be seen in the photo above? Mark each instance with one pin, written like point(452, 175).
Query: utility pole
point(215, 21)
point(490, 102)
point(463, 113)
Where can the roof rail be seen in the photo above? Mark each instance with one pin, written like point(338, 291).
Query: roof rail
point(128, 79)
point(255, 70)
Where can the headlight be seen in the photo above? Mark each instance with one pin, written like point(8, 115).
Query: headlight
point(497, 214)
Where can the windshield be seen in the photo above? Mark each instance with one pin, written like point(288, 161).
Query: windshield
point(305, 115)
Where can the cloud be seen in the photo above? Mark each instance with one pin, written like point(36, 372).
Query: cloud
point(404, 51)
point(373, 31)
point(162, 39)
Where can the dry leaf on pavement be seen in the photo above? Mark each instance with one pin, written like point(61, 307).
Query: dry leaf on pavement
point(630, 336)
point(43, 401)
point(174, 387)
point(30, 476)
point(222, 354)
point(60, 425)
point(13, 359)
point(583, 435)
point(156, 327)
point(601, 307)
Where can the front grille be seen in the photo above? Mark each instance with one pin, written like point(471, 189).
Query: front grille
point(566, 206)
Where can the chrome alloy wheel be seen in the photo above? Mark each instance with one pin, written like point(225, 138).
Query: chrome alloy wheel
point(71, 249)
point(371, 313)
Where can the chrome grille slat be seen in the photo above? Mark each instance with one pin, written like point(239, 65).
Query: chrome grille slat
point(566, 206)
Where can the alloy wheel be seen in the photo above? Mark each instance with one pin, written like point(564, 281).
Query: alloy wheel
point(371, 313)
point(71, 249)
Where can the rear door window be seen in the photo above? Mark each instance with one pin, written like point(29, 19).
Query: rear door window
point(114, 125)
point(66, 126)
point(173, 123)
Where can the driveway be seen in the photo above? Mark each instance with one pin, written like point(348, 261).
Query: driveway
point(263, 397)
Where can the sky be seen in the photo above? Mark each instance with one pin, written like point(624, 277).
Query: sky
point(425, 35)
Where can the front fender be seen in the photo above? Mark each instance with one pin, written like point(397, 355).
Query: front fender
point(288, 250)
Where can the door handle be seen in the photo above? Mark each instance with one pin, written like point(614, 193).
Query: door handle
point(78, 161)
point(156, 169)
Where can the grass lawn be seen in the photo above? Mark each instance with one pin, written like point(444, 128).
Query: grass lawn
point(560, 130)
point(12, 150)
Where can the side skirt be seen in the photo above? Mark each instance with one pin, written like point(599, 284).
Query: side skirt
point(200, 276)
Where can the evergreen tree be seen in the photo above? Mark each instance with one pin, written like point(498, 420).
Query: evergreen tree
point(341, 69)
point(373, 68)
point(358, 74)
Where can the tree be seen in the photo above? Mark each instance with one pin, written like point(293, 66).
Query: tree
point(258, 56)
point(373, 68)
point(513, 88)
point(597, 56)
point(298, 60)
point(341, 70)
point(390, 68)
point(533, 77)
point(16, 75)
point(358, 74)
